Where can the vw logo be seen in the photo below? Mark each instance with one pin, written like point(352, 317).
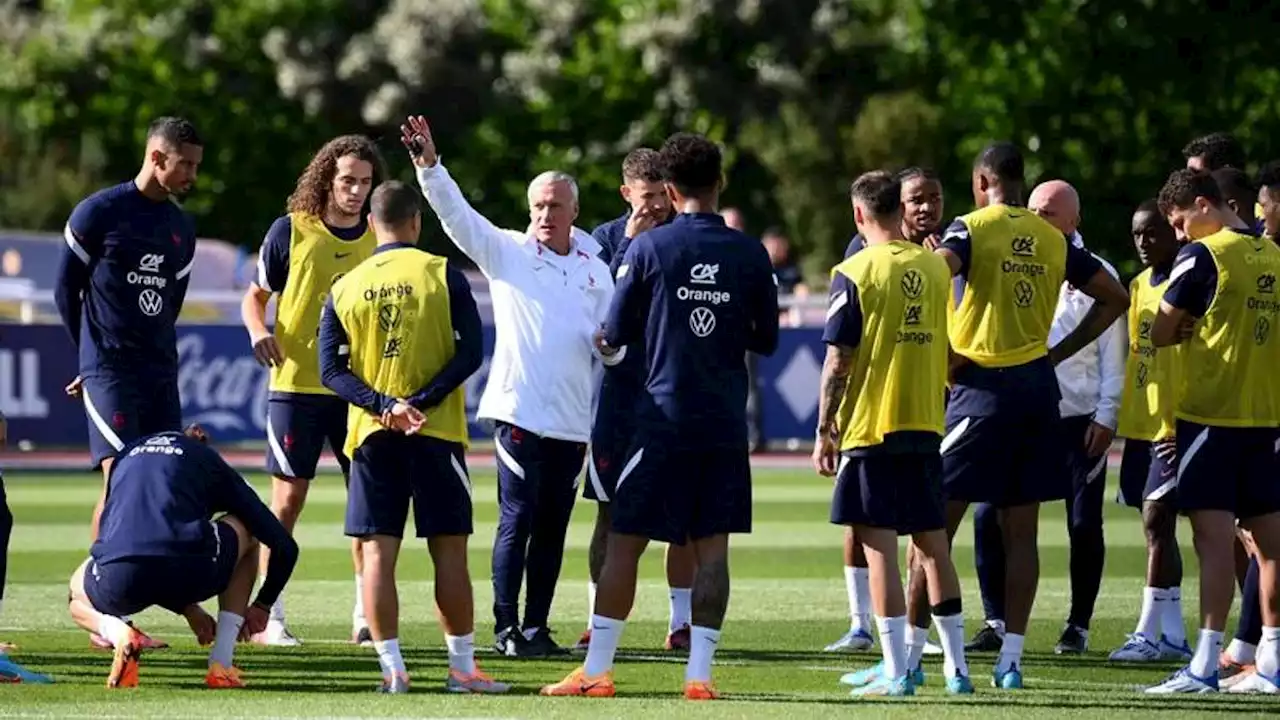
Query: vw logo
point(1140, 377)
point(150, 303)
point(1023, 293)
point(912, 283)
point(702, 321)
point(1261, 330)
point(388, 317)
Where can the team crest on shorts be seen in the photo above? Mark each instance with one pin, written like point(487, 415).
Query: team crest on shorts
point(117, 419)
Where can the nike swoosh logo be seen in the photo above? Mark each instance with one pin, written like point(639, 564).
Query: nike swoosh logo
point(380, 264)
point(597, 627)
point(339, 256)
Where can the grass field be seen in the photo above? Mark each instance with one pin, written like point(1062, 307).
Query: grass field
point(788, 601)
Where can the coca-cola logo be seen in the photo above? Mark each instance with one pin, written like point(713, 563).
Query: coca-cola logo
point(223, 392)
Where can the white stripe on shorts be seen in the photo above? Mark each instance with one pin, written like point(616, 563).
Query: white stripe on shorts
point(1192, 449)
point(104, 428)
point(954, 435)
point(462, 474)
point(278, 451)
point(626, 469)
point(601, 495)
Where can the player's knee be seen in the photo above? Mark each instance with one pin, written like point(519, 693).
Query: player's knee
point(928, 548)
point(1160, 522)
point(288, 497)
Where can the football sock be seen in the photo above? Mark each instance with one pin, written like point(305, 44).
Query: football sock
point(605, 635)
point(462, 652)
point(893, 645)
point(1150, 620)
point(224, 643)
point(1010, 653)
point(1205, 662)
point(681, 608)
point(917, 638)
point(357, 610)
point(1269, 653)
point(1172, 626)
point(1242, 652)
point(113, 629)
point(857, 583)
point(951, 633)
point(389, 657)
point(702, 650)
point(591, 602)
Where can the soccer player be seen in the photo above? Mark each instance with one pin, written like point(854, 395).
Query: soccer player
point(880, 422)
point(10, 670)
point(701, 295)
point(1214, 151)
point(399, 337)
point(550, 292)
point(1090, 383)
point(1148, 476)
point(922, 225)
point(121, 282)
point(1239, 195)
point(159, 544)
point(620, 387)
point(323, 236)
point(1228, 414)
point(1268, 183)
point(1010, 265)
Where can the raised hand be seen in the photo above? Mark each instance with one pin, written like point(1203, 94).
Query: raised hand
point(415, 134)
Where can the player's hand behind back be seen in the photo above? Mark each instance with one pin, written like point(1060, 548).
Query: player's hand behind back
point(404, 418)
point(415, 134)
point(74, 387)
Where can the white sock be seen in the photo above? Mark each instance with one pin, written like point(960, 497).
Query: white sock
point(681, 608)
point(951, 633)
point(462, 652)
point(591, 602)
point(1172, 626)
point(1242, 652)
point(1268, 656)
point(113, 629)
point(357, 610)
point(224, 643)
point(893, 645)
point(917, 638)
point(997, 625)
point(1010, 653)
point(702, 650)
point(277, 607)
point(1205, 662)
point(1150, 618)
point(605, 635)
point(857, 583)
point(389, 657)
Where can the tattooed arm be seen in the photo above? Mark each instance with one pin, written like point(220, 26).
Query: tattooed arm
point(835, 379)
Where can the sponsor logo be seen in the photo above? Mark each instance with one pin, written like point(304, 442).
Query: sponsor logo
point(339, 256)
point(389, 317)
point(150, 302)
point(1266, 283)
point(715, 297)
point(1023, 293)
point(386, 292)
point(150, 263)
point(393, 348)
point(912, 315)
point(1025, 268)
point(914, 337)
point(1140, 377)
point(1261, 330)
point(1144, 329)
point(702, 321)
point(1023, 246)
point(912, 283)
point(704, 274)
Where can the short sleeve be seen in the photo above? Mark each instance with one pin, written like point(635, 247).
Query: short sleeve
point(958, 240)
point(85, 228)
point(1194, 280)
point(1081, 265)
point(273, 257)
point(844, 314)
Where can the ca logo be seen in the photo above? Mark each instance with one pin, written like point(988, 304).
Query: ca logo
point(1023, 293)
point(912, 283)
point(913, 314)
point(1266, 283)
point(1144, 329)
point(1024, 246)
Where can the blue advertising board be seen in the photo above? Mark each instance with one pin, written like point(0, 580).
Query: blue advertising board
point(224, 389)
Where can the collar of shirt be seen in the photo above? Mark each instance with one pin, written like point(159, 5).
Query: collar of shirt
point(393, 246)
point(699, 219)
point(1076, 239)
point(580, 243)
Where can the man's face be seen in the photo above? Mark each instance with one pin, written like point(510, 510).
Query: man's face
point(1153, 239)
point(552, 211)
point(1194, 222)
point(922, 205)
point(1056, 210)
point(1269, 199)
point(352, 181)
point(176, 170)
point(733, 219)
point(778, 248)
point(640, 194)
point(1197, 163)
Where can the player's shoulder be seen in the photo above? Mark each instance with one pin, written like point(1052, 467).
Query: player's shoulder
point(1106, 265)
point(611, 230)
point(1141, 280)
point(107, 199)
point(1193, 255)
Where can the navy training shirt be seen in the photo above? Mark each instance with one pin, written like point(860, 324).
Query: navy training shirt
point(611, 235)
point(700, 295)
point(162, 495)
point(122, 279)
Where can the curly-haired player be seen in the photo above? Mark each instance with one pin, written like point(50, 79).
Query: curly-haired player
point(324, 235)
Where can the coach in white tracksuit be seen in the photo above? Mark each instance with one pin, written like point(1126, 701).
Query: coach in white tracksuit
point(1091, 383)
point(550, 294)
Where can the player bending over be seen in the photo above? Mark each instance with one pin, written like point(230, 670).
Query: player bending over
point(1148, 474)
point(120, 287)
point(1228, 415)
point(159, 544)
point(322, 238)
point(613, 427)
point(701, 296)
point(398, 338)
point(880, 425)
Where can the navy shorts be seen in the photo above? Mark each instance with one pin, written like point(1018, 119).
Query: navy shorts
point(897, 491)
point(674, 493)
point(1006, 460)
point(1145, 477)
point(298, 425)
point(129, 586)
point(123, 407)
point(611, 440)
point(389, 470)
point(1232, 469)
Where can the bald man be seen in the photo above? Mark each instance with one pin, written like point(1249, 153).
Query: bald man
point(1091, 383)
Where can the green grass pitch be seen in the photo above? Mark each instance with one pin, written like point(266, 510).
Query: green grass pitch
point(788, 601)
